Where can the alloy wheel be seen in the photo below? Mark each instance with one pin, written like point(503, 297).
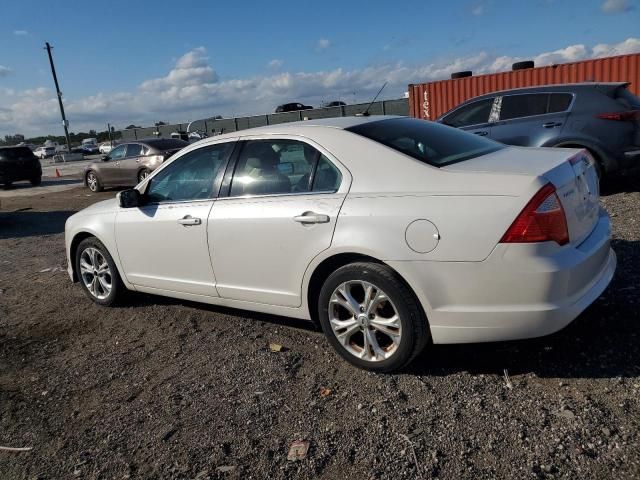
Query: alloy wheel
point(364, 320)
point(92, 181)
point(95, 272)
point(142, 175)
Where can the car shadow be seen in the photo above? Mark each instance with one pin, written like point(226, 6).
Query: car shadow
point(620, 184)
point(27, 223)
point(45, 183)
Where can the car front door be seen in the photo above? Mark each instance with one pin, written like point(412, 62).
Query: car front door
point(278, 212)
point(531, 119)
point(109, 168)
point(130, 164)
point(163, 243)
point(474, 117)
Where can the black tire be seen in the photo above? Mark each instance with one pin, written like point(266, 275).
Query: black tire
point(414, 327)
point(118, 289)
point(142, 174)
point(7, 184)
point(523, 65)
point(466, 73)
point(98, 186)
point(35, 181)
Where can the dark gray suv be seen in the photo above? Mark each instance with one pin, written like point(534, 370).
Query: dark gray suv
point(604, 118)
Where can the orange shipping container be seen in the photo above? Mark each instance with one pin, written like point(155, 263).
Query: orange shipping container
point(430, 100)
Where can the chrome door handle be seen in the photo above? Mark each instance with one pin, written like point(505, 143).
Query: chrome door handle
point(310, 217)
point(188, 220)
point(482, 133)
point(551, 124)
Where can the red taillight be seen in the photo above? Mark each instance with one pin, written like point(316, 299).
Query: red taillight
point(542, 220)
point(628, 116)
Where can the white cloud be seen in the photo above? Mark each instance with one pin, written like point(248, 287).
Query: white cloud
point(276, 63)
point(4, 71)
point(616, 6)
point(477, 10)
point(20, 32)
point(323, 44)
point(192, 90)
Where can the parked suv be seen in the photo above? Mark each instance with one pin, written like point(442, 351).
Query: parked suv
point(130, 163)
point(604, 118)
point(19, 163)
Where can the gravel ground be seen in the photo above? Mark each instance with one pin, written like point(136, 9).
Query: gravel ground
point(160, 388)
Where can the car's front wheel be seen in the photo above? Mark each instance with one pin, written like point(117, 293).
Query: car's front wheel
point(35, 181)
point(371, 317)
point(93, 182)
point(142, 174)
point(97, 272)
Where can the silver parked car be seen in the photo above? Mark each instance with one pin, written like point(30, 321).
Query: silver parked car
point(387, 231)
point(130, 163)
point(603, 118)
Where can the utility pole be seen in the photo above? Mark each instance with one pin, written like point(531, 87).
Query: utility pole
point(65, 124)
point(109, 132)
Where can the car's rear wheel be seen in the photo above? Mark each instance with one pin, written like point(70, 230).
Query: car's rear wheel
point(97, 272)
point(93, 182)
point(371, 317)
point(142, 174)
point(7, 184)
point(35, 181)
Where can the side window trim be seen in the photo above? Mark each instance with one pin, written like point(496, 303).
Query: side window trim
point(217, 182)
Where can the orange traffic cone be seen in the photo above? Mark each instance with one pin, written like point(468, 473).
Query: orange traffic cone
point(58, 173)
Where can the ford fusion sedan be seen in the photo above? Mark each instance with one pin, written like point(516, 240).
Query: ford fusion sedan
point(129, 163)
point(389, 232)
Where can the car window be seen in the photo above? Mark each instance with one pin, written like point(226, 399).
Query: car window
point(472, 114)
point(525, 105)
point(429, 142)
point(267, 167)
point(559, 102)
point(190, 177)
point(118, 152)
point(134, 150)
point(327, 177)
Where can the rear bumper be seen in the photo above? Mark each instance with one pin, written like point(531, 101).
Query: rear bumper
point(519, 291)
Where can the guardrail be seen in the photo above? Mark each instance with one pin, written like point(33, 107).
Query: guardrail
point(217, 126)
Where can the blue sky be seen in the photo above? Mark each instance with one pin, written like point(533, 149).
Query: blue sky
point(140, 61)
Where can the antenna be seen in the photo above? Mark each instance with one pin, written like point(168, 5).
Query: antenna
point(366, 110)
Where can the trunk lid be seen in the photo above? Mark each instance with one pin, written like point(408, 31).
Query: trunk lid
point(572, 172)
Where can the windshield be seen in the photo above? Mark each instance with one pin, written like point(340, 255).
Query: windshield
point(429, 142)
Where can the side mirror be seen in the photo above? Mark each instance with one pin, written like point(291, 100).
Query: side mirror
point(129, 198)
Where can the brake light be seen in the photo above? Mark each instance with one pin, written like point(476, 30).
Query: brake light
point(628, 116)
point(542, 220)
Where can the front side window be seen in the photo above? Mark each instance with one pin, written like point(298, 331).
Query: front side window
point(190, 177)
point(271, 167)
point(473, 114)
point(429, 142)
point(118, 152)
point(525, 105)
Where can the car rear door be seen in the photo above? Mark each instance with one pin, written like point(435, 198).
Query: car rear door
point(163, 243)
point(531, 119)
point(130, 164)
point(278, 212)
point(109, 168)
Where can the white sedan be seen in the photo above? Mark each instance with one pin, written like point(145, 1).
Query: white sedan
point(105, 148)
point(388, 232)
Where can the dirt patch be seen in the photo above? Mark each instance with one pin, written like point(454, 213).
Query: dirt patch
point(160, 388)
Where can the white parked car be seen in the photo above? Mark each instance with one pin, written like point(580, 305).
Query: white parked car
point(44, 152)
point(105, 148)
point(387, 231)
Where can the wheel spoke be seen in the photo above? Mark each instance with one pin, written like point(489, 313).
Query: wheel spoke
point(85, 267)
point(344, 329)
point(371, 339)
point(106, 286)
point(373, 303)
point(343, 297)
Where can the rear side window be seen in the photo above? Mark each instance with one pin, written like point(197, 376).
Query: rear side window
point(559, 102)
point(428, 142)
point(525, 105)
point(134, 150)
point(472, 114)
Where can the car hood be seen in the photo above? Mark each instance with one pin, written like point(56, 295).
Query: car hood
point(105, 206)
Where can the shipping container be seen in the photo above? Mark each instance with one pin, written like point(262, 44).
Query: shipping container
point(430, 100)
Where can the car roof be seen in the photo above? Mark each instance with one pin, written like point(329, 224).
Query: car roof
point(554, 86)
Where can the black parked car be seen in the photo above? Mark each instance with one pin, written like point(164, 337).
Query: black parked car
point(604, 118)
point(292, 107)
point(335, 103)
point(19, 163)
